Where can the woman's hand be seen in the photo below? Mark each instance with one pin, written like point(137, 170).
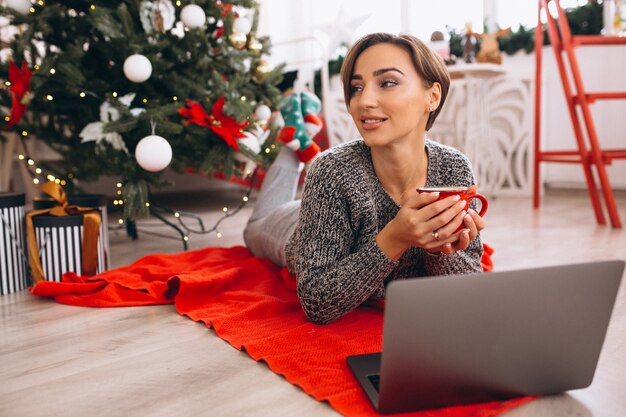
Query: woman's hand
point(425, 222)
point(473, 225)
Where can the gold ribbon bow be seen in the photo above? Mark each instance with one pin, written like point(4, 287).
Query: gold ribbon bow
point(91, 229)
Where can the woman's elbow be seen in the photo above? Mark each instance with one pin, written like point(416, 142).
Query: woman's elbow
point(316, 312)
point(316, 305)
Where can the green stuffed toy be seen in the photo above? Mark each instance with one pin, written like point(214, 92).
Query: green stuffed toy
point(299, 111)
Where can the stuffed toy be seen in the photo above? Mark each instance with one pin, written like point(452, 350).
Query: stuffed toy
point(299, 112)
point(489, 49)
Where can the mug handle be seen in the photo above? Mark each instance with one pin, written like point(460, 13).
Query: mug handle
point(483, 200)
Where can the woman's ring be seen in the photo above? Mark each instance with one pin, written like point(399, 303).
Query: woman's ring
point(435, 234)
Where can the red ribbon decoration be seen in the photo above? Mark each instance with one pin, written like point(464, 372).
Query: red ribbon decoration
point(20, 87)
point(226, 127)
point(226, 8)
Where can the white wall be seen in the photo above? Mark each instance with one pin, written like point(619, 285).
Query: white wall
point(602, 69)
point(337, 21)
point(334, 21)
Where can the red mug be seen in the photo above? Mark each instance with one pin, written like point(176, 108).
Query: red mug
point(445, 192)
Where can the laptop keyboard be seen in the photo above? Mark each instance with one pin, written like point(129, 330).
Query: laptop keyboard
point(375, 380)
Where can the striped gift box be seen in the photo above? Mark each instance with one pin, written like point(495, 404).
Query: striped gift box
point(13, 261)
point(60, 243)
point(98, 201)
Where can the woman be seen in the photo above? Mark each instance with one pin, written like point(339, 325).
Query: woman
point(361, 223)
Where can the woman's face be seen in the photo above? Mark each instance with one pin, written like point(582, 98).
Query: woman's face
point(389, 103)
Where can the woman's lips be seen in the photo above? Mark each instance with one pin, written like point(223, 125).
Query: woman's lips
point(372, 123)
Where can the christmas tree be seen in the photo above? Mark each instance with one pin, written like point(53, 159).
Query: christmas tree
point(120, 88)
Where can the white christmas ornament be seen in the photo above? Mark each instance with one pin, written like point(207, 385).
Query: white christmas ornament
point(137, 68)
point(242, 25)
point(157, 16)
point(178, 30)
point(193, 16)
point(262, 135)
point(263, 112)
point(153, 153)
point(94, 131)
point(251, 144)
point(21, 6)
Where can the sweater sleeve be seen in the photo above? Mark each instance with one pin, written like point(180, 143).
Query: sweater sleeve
point(455, 170)
point(337, 267)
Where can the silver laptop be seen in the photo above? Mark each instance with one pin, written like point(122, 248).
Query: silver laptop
point(483, 337)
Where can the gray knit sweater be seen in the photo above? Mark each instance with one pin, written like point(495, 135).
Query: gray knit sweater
point(333, 251)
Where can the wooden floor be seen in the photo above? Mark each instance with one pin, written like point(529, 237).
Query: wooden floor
point(149, 361)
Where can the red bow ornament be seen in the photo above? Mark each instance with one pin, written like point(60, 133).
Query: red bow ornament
point(226, 127)
point(20, 90)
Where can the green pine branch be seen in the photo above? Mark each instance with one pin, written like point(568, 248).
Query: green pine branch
point(77, 53)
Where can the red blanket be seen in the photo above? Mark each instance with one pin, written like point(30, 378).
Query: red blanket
point(251, 303)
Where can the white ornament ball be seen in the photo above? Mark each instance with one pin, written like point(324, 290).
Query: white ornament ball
point(20, 6)
point(251, 142)
point(242, 25)
point(193, 16)
point(263, 112)
point(137, 68)
point(153, 153)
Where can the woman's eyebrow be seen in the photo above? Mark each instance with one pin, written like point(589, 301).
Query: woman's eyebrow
point(384, 70)
point(377, 73)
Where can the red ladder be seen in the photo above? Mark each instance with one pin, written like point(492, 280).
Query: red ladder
point(589, 152)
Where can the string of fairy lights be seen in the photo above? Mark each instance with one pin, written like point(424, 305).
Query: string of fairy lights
point(226, 214)
point(36, 171)
point(81, 94)
point(92, 7)
point(39, 175)
point(180, 215)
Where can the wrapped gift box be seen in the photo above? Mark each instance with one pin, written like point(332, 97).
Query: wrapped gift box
point(97, 201)
point(60, 243)
point(13, 261)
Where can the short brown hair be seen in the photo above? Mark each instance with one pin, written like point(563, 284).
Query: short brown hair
point(429, 66)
